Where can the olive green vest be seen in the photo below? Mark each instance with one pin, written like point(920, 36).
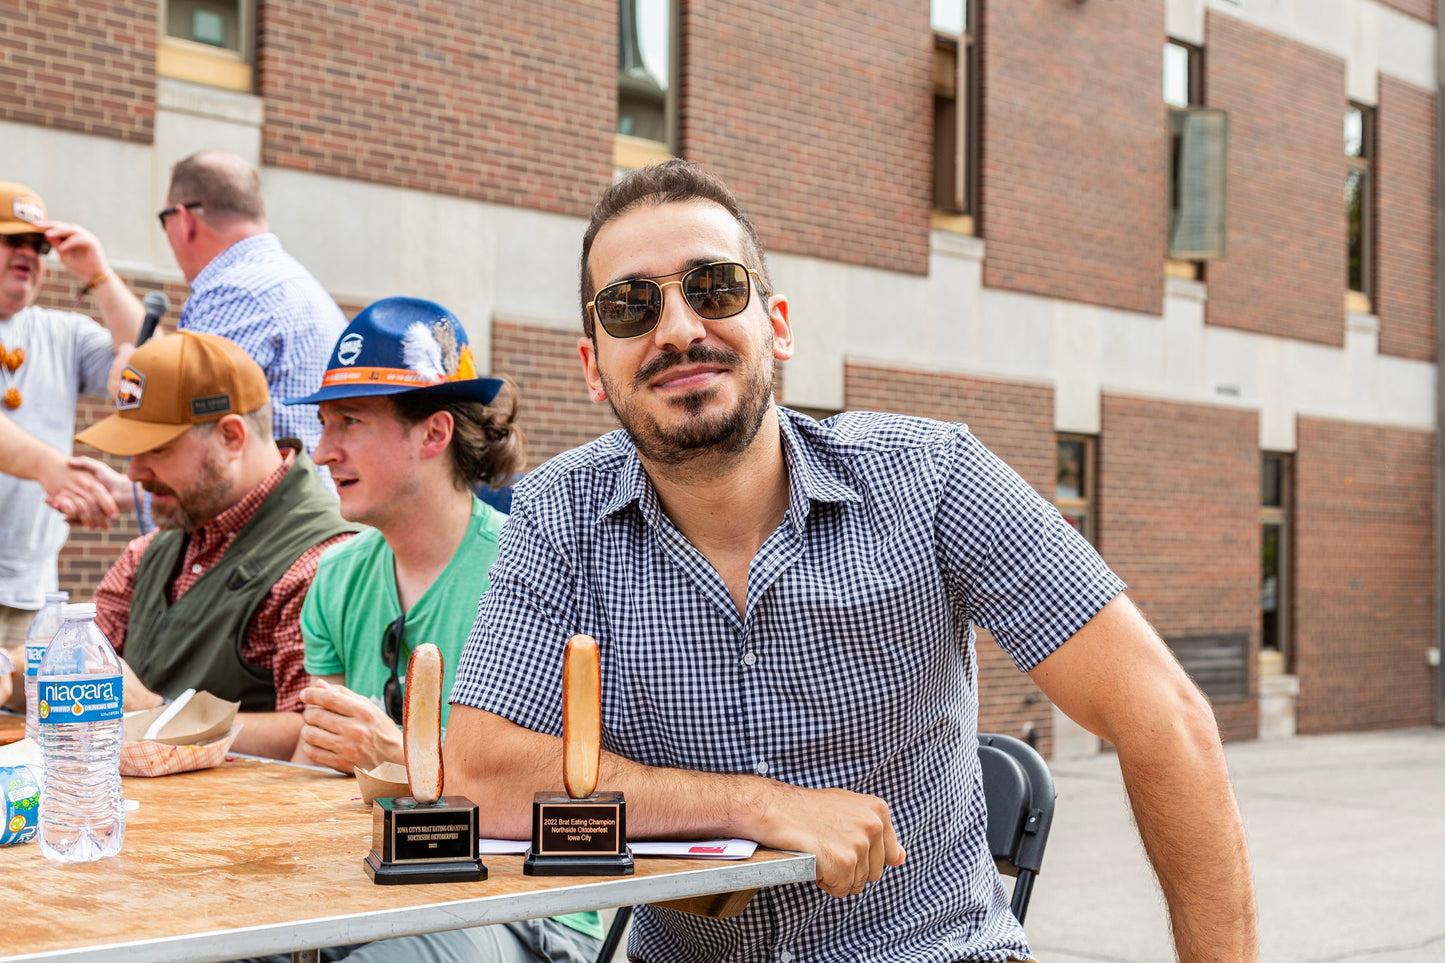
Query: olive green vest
point(196, 643)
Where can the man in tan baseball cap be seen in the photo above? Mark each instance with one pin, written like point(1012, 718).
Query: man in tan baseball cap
point(212, 600)
point(48, 358)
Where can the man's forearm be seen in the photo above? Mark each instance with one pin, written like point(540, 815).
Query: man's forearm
point(25, 456)
point(1189, 822)
point(271, 734)
point(120, 311)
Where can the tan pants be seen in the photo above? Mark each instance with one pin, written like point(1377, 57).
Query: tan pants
point(13, 623)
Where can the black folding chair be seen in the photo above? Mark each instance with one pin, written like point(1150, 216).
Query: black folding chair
point(614, 934)
point(1019, 792)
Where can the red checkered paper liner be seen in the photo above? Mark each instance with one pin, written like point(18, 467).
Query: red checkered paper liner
point(158, 759)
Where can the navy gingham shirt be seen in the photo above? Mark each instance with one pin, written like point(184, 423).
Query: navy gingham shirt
point(853, 666)
point(262, 298)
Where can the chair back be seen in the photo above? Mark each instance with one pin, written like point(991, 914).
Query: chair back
point(1019, 792)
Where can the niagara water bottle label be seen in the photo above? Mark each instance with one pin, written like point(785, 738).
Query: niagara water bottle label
point(91, 699)
point(33, 655)
point(19, 804)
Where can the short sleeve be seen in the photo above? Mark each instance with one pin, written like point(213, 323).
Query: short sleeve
point(1023, 572)
point(94, 354)
point(323, 657)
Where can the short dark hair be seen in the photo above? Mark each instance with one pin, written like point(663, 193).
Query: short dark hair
point(487, 446)
point(219, 182)
point(671, 182)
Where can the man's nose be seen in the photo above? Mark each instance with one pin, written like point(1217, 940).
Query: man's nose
point(679, 325)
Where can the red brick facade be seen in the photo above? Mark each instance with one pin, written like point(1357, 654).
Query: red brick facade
point(824, 132)
point(80, 65)
point(1284, 269)
point(1016, 422)
point(1405, 220)
point(1075, 151)
point(1364, 576)
point(489, 101)
point(1178, 511)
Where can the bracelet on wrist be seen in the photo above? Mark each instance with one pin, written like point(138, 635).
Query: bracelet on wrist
point(90, 286)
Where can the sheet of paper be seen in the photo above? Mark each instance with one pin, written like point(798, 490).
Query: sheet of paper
point(676, 848)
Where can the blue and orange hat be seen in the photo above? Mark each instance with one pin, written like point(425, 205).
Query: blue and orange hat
point(398, 345)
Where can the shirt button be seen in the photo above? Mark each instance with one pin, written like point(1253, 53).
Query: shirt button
point(196, 569)
point(762, 768)
point(785, 957)
point(750, 659)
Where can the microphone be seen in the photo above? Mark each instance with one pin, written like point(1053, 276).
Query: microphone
point(156, 305)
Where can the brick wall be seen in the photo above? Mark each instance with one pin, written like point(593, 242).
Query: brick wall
point(82, 66)
point(1284, 270)
point(510, 102)
point(820, 119)
point(1364, 576)
point(1420, 9)
point(1405, 220)
point(1074, 190)
point(1178, 510)
point(1016, 422)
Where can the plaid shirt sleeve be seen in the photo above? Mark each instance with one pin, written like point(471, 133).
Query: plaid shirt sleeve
point(113, 594)
point(273, 639)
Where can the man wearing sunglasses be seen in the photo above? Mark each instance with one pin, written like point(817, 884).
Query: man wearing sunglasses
point(48, 358)
point(785, 613)
point(409, 430)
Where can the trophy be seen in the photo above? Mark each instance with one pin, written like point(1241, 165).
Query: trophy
point(425, 837)
point(584, 832)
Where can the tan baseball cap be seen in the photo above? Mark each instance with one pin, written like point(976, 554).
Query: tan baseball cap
point(172, 383)
point(21, 209)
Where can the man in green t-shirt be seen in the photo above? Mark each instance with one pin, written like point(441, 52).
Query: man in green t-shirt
point(408, 431)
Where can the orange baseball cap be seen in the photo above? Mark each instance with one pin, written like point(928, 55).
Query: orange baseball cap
point(172, 383)
point(20, 209)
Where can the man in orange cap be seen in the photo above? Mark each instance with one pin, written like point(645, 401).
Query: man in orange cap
point(47, 359)
point(212, 599)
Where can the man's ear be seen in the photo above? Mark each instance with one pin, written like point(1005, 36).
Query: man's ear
point(587, 347)
point(233, 432)
point(436, 433)
point(782, 327)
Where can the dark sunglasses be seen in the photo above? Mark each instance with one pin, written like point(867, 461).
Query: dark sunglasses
point(37, 241)
point(390, 657)
point(171, 210)
point(630, 309)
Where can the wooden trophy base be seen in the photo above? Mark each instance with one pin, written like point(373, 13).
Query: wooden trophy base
point(413, 842)
point(579, 837)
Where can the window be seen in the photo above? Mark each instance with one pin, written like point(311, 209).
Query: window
point(955, 104)
point(1359, 131)
point(1274, 553)
point(646, 81)
point(1074, 482)
point(207, 41)
point(1198, 141)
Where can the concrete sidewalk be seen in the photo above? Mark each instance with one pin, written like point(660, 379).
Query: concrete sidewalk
point(1346, 834)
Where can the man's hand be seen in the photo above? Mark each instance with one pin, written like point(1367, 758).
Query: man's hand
point(137, 696)
point(79, 250)
point(850, 834)
point(83, 490)
point(346, 731)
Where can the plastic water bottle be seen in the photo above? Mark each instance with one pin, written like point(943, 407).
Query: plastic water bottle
point(42, 629)
point(82, 812)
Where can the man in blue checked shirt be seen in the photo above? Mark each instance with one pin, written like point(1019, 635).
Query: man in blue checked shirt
point(784, 609)
point(245, 287)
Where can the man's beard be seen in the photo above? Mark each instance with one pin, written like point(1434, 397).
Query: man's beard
point(726, 432)
point(202, 501)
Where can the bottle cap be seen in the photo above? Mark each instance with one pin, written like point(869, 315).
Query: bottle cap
point(74, 611)
point(57, 596)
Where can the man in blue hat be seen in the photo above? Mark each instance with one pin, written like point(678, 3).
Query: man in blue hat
point(408, 431)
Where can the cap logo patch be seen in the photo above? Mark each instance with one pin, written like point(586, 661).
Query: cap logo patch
point(210, 405)
point(26, 209)
point(349, 349)
point(131, 389)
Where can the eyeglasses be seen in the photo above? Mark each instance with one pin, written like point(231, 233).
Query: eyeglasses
point(390, 657)
point(172, 209)
point(630, 309)
point(37, 241)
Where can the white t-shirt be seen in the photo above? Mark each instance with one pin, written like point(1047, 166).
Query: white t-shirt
point(66, 355)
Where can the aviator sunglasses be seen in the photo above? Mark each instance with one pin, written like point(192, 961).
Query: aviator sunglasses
point(390, 656)
point(630, 309)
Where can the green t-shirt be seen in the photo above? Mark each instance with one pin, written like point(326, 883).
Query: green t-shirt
point(353, 599)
